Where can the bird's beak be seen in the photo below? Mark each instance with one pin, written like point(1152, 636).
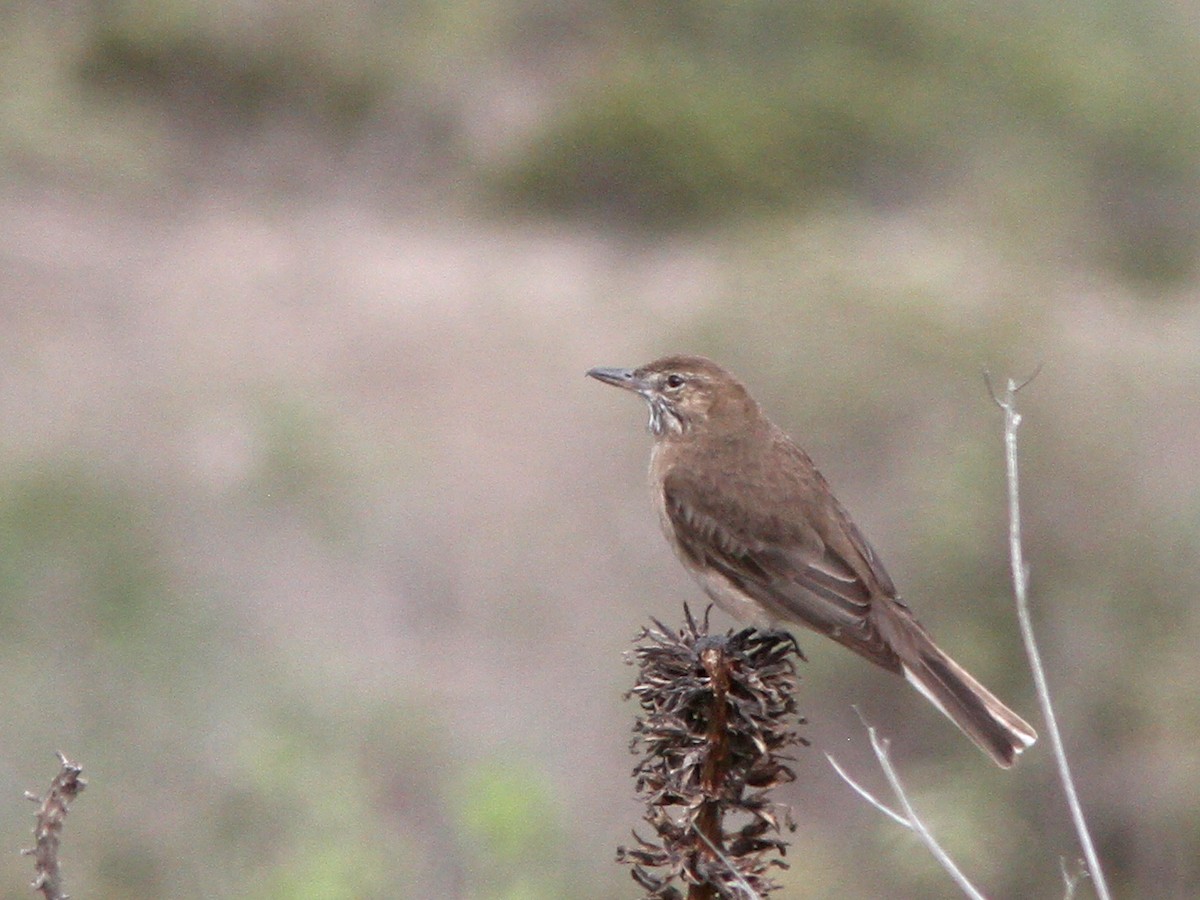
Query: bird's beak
point(622, 378)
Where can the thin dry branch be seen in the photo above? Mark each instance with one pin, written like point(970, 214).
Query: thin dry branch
point(909, 818)
point(1020, 577)
point(47, 833)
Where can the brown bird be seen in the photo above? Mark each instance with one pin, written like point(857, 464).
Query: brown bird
point(754, 521)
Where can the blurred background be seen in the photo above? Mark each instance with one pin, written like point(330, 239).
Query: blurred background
point(321, 555)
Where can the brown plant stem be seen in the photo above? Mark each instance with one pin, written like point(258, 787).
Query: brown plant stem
point(712, 775)
point(51, 815)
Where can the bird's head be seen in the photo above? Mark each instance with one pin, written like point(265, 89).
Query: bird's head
point(685, 393)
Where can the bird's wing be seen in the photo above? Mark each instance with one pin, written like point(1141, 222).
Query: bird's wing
point(861, 548)
point(787, 567)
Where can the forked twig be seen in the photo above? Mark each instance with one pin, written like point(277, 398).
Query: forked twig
point(909, 819)
point(867, 795)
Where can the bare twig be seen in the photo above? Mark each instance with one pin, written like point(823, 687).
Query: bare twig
point(48, 831)
point(867, 795)
point(909, 819)
point(1020, 578)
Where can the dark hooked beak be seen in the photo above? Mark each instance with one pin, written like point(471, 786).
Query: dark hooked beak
point(622, 378)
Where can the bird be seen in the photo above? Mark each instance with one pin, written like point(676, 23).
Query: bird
point(751, 517)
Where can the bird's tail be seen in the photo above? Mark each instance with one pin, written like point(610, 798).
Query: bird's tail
point(996, 730)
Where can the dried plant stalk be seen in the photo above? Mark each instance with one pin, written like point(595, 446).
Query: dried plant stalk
point(47, 833)
point(718, 713)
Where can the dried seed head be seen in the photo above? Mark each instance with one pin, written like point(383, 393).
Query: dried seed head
point(718, 715)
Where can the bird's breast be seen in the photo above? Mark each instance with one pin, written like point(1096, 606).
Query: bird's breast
point(659, 463)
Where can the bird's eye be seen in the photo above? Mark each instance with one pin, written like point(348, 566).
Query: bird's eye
point(674, 381)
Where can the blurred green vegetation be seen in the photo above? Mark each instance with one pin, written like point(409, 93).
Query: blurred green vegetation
point(97, 89)
point(668, 115)
point(694, 113)
point(239, 64)
point(65, 533)
point(512, 837)
point(886, 195)
point(303, 466)
point(232, 768)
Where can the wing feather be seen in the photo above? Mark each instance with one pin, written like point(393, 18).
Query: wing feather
point(792, 572)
